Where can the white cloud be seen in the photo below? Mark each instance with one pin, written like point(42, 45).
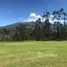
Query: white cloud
point(51, 16)
point(33, 17)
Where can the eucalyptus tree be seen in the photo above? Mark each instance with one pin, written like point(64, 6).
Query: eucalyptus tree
point(57, 18)
point(64, 17)
point(37, 29)
point(46, 27)
point(64, 14)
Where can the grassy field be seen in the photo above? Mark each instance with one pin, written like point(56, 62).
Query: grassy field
point(33, 54)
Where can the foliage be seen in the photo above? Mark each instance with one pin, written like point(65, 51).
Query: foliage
point(42, 30)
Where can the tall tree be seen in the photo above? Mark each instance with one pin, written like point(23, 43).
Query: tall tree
point(46, 26)
point(37, 30)
point(57, 18)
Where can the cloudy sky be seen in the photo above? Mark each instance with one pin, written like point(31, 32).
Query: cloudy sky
point(12, 11)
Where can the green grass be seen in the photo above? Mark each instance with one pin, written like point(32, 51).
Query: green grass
point(25, 54)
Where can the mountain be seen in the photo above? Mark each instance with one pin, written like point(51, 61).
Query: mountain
point(25, 24)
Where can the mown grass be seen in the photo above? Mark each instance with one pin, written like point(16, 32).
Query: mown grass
point(25, 54)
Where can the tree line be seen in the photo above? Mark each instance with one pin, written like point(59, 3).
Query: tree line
point(42, 30)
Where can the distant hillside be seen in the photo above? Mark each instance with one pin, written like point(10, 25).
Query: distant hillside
point(25, 24)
